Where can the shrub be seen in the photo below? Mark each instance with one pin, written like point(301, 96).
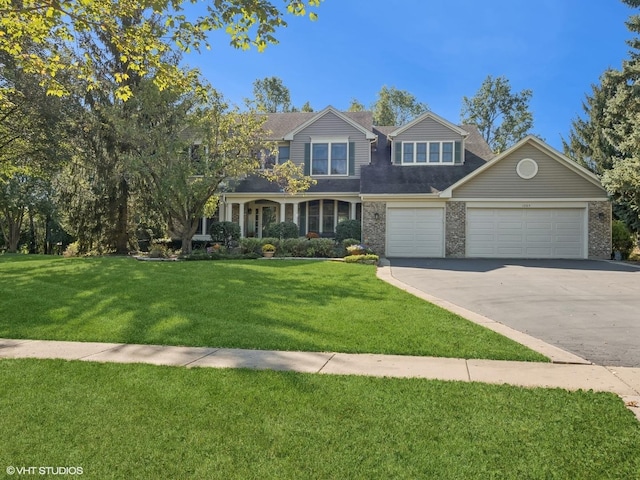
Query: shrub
point(348, 229)
point(283, 230)
point(621, 238)
point(250, 245)
point(368, 259)
point(311, 235)
point(319, 247)
point(72, 250)
point(159, 250)
point(224, 232)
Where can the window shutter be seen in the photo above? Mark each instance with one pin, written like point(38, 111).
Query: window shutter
point(398, 153)
point(307, 158)
point(458, 153)
point(352, 158)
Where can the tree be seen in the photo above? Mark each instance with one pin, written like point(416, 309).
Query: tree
point(289, 177)
point(57, 27)
point(33, 145)
point(356, 106)
point(306, 107)
point(396, 107)
point(502, 117)
point(606, 140)
point(271, 95)
point(212, 145)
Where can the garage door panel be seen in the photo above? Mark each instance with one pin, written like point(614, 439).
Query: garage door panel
point(415, 232)
point(525, 233)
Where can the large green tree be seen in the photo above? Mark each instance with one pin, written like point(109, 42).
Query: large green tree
point(33, 145)
point(502, 116)
point(194, 151)
point(271, 95)
point(607, 138)
point(60, 26)
point(394, 107)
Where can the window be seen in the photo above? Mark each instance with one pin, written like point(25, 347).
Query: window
point(268, 159)
point(407, 153)
point(198, 157)
point(330, 158)
point(413, 153)
point(421, 152)
point(283, 153)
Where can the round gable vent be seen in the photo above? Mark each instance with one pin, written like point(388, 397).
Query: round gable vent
point(527, 168)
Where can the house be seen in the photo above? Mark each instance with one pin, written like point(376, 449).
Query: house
point(426, 189)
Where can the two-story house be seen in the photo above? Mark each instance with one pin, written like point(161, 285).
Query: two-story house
point(426, 189)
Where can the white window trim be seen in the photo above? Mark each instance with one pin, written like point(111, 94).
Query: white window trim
point(328, 141)
point(429, 143)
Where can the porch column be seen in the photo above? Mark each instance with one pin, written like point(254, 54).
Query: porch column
point(228, 212)
point(283, 208)
point(352, 210)
point(241, 218)
point(296, 213)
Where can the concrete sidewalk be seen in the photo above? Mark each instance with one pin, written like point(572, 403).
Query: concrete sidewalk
point(622, 381)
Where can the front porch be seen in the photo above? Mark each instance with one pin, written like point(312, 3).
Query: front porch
point(255, 215)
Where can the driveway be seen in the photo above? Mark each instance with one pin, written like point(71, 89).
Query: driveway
point(590, 308)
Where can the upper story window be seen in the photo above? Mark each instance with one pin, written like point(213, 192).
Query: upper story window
point(329, 158)
point(424, 153)
point(198, 156)
point(268, 159)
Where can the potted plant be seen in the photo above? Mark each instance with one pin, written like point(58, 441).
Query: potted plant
point(268, 250)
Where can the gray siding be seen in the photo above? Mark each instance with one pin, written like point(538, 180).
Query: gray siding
point(331, 125)
point(553, 180)
point(426, 130)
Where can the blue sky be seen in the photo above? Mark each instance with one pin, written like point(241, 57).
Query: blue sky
point(438, 50)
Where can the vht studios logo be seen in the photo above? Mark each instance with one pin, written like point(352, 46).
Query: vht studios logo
point(11, 470)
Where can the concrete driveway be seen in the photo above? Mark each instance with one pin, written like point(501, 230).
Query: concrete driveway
point(590, 308)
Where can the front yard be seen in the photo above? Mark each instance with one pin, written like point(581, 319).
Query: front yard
point(255, 304)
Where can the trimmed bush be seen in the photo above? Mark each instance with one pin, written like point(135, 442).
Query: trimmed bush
point(250, 245)
point(348, 229)
point(368, 259)
point(224, 232)
point(621, 238)
point(283, 230)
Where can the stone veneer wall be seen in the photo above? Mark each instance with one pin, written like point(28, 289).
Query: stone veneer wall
point(235, 213)
point(374, 231)
point(599, 230)
point(455, 229)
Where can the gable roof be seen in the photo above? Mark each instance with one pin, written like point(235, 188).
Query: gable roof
point(431, 116)
point(350, 119)
point(536, 143)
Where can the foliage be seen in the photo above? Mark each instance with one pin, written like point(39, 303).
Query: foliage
point(283, 230)
point(502, 117)
point(224, 232)
point(306, 107)
point(621, 238)
point(250, 244)
point(368, 259)
point(271, 95)
point(606, 139)
point(60, 29)
point(348, 229)
point(289, 177)
point(356, 106)
point(358, 249)
point(395, 107)
point(72, 250)
point(159, 250)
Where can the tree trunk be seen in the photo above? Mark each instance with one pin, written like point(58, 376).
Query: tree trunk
point(14, 230)
point(122, 229)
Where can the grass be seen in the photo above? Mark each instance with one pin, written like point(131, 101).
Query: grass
point(270, 305)
point(142, 421)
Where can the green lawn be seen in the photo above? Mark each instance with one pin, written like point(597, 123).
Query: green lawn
point(143, 421)
point(256, 304)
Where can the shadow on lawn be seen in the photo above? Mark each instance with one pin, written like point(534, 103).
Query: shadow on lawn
point(242, 304)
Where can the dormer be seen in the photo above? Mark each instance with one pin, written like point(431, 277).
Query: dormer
point(428, 140)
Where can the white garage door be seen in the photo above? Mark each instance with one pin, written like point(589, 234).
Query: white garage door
point(415, 232)
point(526, 233)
